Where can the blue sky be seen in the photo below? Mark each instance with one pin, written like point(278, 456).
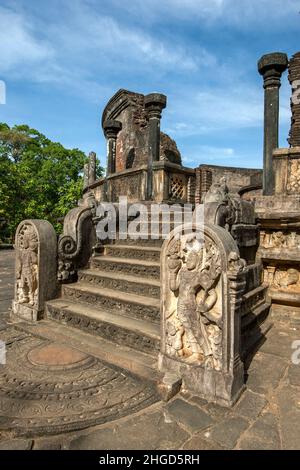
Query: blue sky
point(62, 60)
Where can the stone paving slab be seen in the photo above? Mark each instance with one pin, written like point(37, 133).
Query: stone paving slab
point(263, 435)
point(149, 431)
point(227, 432)
point(289, 415)
point(189, 415)
point(265, 372)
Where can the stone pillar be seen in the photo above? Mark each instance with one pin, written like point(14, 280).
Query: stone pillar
point(154, 104)
point(111, 129)
point(271, 67)
point(85, 176)
point(92, 168)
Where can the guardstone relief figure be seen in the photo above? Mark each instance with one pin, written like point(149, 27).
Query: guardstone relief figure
point(27, 265)
point(193, 326)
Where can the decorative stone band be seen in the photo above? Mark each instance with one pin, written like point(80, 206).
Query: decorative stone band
point(202, 280)
point(35, 276)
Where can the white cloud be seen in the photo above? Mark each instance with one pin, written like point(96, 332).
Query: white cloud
point(239, 13)
point(208, 153)
point(206, 111)
point(18, 46)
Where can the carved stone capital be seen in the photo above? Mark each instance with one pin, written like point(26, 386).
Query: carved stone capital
point(112, 128)
point(271, 67)
point(155, 103)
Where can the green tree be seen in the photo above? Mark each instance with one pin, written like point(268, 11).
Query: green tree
point(38, 178)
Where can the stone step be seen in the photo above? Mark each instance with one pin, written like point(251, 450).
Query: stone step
point(143, 269)
point(253, 338)
point(254, 327)
point(137, 362)
point(141, 240)
point(253, 299)
point(144, 253)
point(255, 317)
point(139, 335)
point(122, 303)
point(120, 282)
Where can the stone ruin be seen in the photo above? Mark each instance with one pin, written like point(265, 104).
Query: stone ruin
point(187, 311)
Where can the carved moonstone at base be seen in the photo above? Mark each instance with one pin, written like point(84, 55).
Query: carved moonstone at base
point(35, 277)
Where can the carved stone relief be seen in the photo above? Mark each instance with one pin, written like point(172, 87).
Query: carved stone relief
point(27, 265)
point(203, 279)
point(194, 324)
point(279, 239)
point(76, 244)
point(287, 279)
point(36, 265)
point(293, 184)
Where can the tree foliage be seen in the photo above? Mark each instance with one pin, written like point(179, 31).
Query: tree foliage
point(39, 178)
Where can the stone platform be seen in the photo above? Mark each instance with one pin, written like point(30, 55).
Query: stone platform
point(57, 382)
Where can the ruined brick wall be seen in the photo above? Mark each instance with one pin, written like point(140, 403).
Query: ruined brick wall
point(132, 143)
point(236, 178)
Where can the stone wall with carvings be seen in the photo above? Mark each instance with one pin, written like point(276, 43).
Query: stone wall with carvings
point(203, 279)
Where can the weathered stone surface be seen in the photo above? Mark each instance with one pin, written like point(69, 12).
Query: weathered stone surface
point(169, 386)
point(47, 444)
point(294, 375)
point(265, 372)
point(198, 443)
point(215, 411)
point(279, 342)
point(250, 405)
point(16, 444)
point(264, 434)
point(149, 431)
point(227, 432)
point(289, 417)
point(191, 416)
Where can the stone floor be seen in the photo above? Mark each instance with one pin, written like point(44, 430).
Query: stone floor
point(267, 415)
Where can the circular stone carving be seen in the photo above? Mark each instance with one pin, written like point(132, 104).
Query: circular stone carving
point(48, 388)
point(58, 356)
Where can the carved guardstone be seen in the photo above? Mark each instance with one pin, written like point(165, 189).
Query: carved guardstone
point(36, 264)
point(202, 285)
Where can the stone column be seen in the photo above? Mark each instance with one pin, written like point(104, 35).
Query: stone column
point(111, 129)
point(92, 168)
point(271, 67)
point(154, 104)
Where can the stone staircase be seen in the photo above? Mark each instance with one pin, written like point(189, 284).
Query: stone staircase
point(254, 321)
point(117, 297)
